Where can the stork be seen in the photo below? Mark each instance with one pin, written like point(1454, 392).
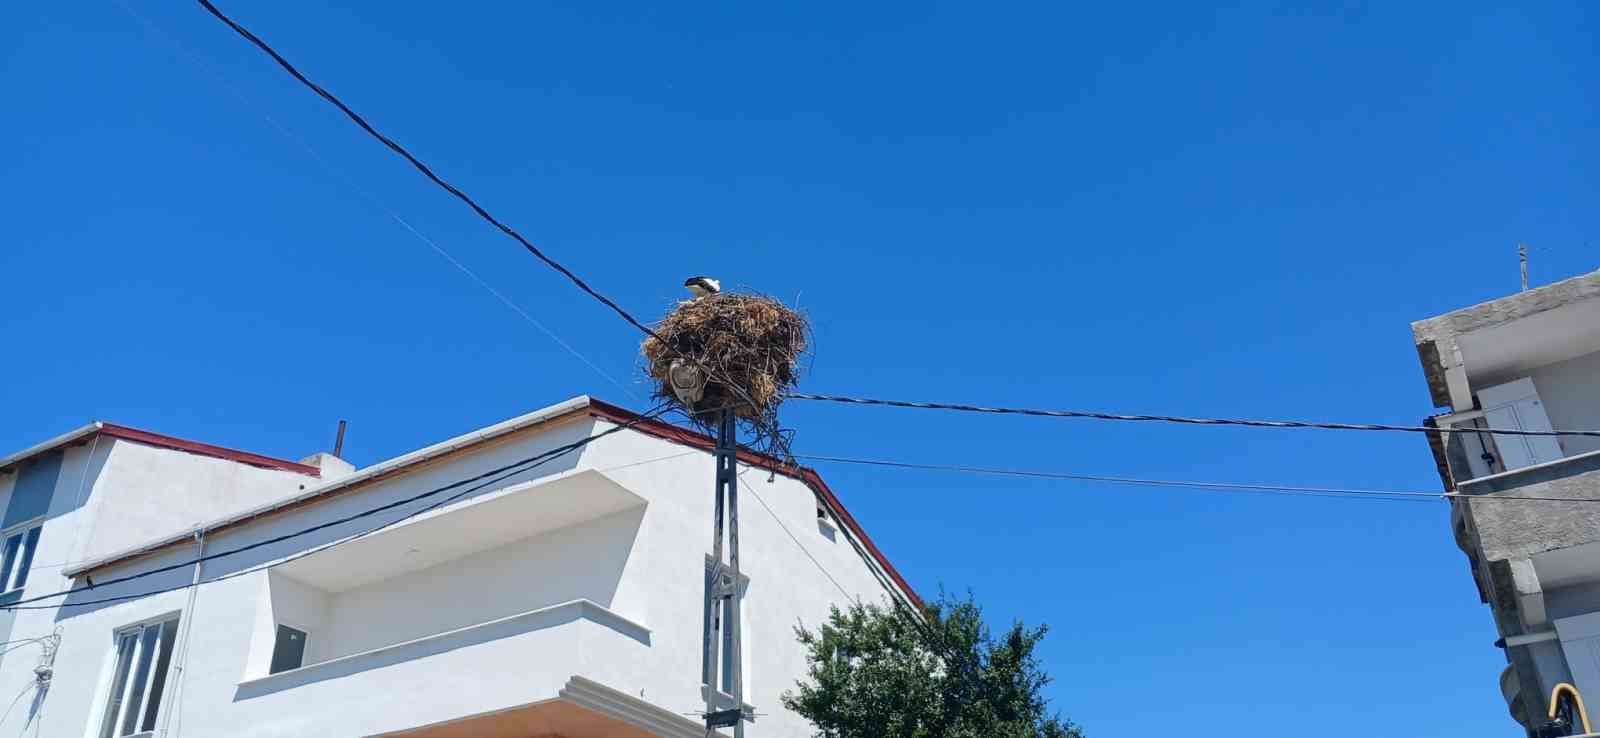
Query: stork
point(702, 286)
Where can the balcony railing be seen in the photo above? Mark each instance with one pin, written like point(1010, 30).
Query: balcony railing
point(543, 618)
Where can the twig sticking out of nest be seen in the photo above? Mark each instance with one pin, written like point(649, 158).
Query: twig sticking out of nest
point(749, 348)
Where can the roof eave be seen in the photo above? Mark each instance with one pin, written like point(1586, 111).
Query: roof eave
point(370, 473)
point(9, 462)
point(581, 404)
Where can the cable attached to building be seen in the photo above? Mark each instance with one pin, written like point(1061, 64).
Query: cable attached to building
point(1091, 415)
point(486, 479)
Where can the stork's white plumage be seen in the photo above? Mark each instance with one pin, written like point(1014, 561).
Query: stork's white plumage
point(702, 286)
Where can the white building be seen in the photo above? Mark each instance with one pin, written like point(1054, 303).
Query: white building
point(1530, 362)
point(562, 600)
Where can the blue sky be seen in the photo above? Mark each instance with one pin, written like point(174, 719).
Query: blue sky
point(1142, 208)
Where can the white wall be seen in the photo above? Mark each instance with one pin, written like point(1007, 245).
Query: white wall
point(292, 603)
point(1570, 391)
point(663, 589)
point(584, 561)
point(655, 584)
point(145, 493)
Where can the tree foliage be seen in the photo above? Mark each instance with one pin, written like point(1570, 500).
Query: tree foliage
point(880, 673)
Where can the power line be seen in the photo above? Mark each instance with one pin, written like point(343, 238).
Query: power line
point(492, 476)
point(896, 595)
point(796, 539)
point(365, 194)
point(428, 172)
point(1345, 492)
point(1178, 419)
point(1138, 481)
point(421, 167)
point(15, 700)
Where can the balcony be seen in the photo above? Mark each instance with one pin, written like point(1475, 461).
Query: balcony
point(1514, 530)
point(474, 618)
point(585, 709)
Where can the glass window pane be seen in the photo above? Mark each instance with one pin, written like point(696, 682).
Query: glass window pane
point(148, 638)
point(119, 684)
point(29, 545)
point(9, 562)
point(169, 634)
point(289, 650)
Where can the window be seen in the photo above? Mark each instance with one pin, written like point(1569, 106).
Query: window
point(1515, 406)
point(824, 515)
point(20, 543)
point(288, 649)
point(138, 678)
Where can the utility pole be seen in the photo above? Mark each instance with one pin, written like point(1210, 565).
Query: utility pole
point(725, 588)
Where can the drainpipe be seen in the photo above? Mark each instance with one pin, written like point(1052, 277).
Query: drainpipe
point(186, 621)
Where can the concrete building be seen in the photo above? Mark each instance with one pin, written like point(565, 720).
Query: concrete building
point(1530, 361)
point(560, 600)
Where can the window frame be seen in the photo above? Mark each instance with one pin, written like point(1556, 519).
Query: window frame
point(11, 569)
point(156, 685)
point(827, 523)
point(305, 647)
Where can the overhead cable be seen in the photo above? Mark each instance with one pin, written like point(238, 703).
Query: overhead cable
point(1138, 481)
point(1178, 419)
point(483, 213)
point(216, 76)
point(485, 479)
point(1285, 489)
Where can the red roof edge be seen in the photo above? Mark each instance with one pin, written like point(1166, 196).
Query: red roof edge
point(206, 449)
point(807, 475)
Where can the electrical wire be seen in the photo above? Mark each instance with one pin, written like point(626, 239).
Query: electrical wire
point(1178, 419)
point(492, 476)
point(22, 644)
point(1137, 481)
point(199, 63)
point(796, 539)
point(483, 213)
point(1344, 492)
point(897, 597)
point(541, 459)
point(15, 701)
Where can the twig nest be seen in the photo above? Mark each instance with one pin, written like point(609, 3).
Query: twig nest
point(728, 350)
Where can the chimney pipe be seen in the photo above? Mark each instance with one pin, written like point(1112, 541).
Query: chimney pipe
point(338, 441)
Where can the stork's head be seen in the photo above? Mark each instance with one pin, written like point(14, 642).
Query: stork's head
point(702, 286)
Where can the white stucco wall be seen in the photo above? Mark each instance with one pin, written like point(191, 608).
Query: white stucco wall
point(1570, 391)
point(145, 493)
point(295, 604)
point(580, 562)
point(57, 546)
point(642, 568)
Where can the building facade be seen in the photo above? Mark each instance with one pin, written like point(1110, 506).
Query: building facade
point(485, 586)
point(1531, 362)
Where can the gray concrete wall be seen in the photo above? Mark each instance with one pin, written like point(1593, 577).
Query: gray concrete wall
point(1550, 664)
point(1570, 391)
point(1435, 337)
point(1569, 601)
point(1514, 530)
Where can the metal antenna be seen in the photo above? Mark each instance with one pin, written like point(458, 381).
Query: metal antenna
point(1522, 256)
point(725, 588)
point(338, 441)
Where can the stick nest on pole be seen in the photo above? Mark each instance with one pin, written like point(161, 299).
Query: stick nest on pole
point(729, 350)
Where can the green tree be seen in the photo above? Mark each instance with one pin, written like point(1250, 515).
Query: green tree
point(881, 673)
